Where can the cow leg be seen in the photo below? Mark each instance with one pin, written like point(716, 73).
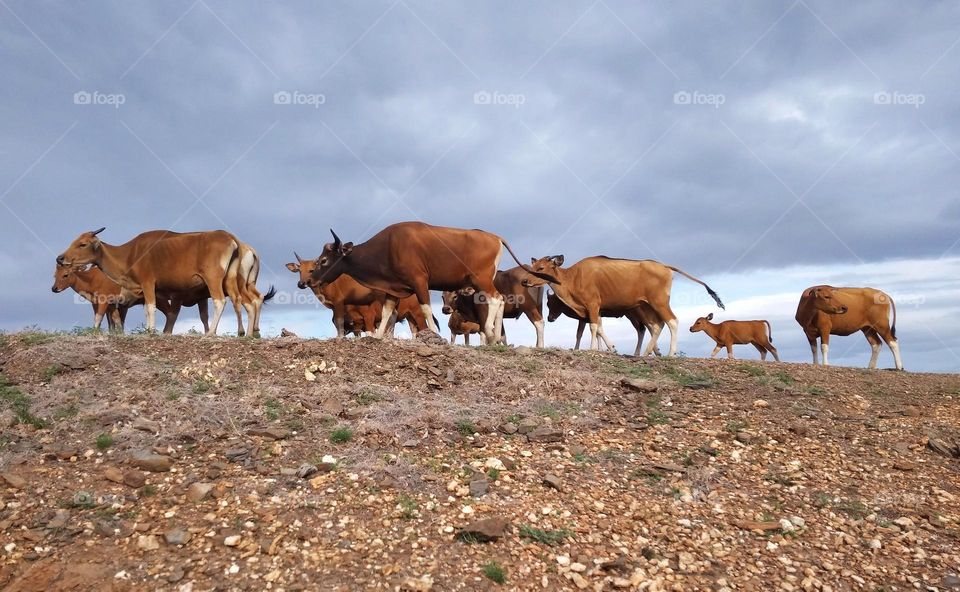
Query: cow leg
point(715, 351)
point(171, 312)
point(538, 325)
point(641, 329)
point(150, 306)
point(762, 350)
point(825, 348)
point(875, 343)
point(580, 325)
point(122, 310)
point(204, 311)
point(894, 346)
point(729, 351)
point(493, 327)
point(219, 303)
point(812, 340)
point(466, 338)
point(769, 347)
point(603, 338)
point(389, 305)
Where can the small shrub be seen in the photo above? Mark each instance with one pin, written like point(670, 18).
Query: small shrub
point(272, 409)
point(367, 396)
point(148, 490)
point(341, 435)
point(547, 537)
point(736, 425)
point(752, 369)
point(408, 507)
point(19, 403)
point(104, 441)
point(784, 377)
point(466, 427)
point(50, 371)
point(493, 474)
point(657, 417)
point(35, 336)
point(495, 572)
point(201, 386)
point(817, 391)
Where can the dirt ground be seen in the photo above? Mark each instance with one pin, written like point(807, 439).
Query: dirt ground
point(189, 463)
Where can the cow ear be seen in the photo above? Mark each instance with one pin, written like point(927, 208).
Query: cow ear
point(710, 317)
point(95, 244)
point(293, 267)
point(533, 260)
point(558, 260)
point(346, 248)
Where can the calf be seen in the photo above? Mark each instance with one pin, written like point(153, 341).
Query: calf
point(730, 333)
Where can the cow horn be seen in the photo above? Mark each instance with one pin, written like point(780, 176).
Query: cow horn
point(299, 260)
point(336, 239)
point(96, 232)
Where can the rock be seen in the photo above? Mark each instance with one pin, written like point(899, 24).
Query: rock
point(198, 491)
point(412, 443)
point(14, 481)
point(425, 582)
point(145, 425)
point(148, 461)
point(306, 470)
point(545, 434)
point(507, 428)
point(744, 437)
point(800, 429)
point(669, 467)
point(904, 523)
point(479, 487)
point(287, 333)
point(176, 536)
point(752, 525)
point(578, 567)
point(134, 478)
point(232, 540)
point(639, 385)
point(59, 520)
point(552, 481)
point(8, 419)
point(485, 530)
point(148, 542)
point(113, 474)
point(271, 433)
point(760, 404)
point(904, 465)
point(951, 581)
point(578, 450)
point(236, 454)
point(176, 574)
point(943, 448)
point(527, 425)
point(332, 405)
point(579, 581)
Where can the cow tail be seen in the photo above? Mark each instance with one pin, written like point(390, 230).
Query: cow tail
point(710, 291)
point(270, 294)
point(893, 327)
point(769, 331)
point(526, 267)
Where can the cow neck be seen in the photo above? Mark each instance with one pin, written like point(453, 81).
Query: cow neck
point(712, 329)
point(369, 271)
point(562, 291)
point(112, 263)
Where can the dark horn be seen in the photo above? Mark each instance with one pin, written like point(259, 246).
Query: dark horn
point(96, 232)
point(336, 239)
point(299, 260)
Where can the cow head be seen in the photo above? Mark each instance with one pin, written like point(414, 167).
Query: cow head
point(63, 278)
point(544, 270)
point(304, 267)
point(83, 250)
point(701, 323)
point(329, 265)
point(555, 307)
point(451, 300)
point(824, 300)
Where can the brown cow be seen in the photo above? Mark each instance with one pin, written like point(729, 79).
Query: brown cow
point(464, 311)
point(414, 258)
point(345, 292)
point(598, 283)
point(518, 299)
point(729, 333)
point(642, 318)
point(109, 298)
point(163, 260)
point(824, 311)
point(460, 326)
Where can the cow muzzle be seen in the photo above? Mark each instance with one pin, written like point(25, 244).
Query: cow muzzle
point(301, 285)
point(446, 310)
point(61, 260)
point(55, 290)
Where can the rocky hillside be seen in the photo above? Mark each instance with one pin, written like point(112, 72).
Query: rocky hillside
point(185, 463)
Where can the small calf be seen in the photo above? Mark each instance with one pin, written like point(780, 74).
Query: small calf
point(729, 333)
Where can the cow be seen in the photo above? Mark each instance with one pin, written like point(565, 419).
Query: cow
point(642, 318)
point(246, 270)
point(730, 333)
point(336, 295)
point(166, 261)
point(518, 299)
point(464, 313)
point(413, 258)
point(111, 300)
point(824, 311)
point(598, 283)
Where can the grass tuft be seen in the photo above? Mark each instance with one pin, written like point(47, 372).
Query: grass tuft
point(547, 537)
point(341, 435)
point(495, 572)
point(104, 441)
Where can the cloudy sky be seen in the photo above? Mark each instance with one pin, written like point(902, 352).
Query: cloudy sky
point(762, 146)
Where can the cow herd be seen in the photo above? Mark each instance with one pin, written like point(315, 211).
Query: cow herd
point(372, 285)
